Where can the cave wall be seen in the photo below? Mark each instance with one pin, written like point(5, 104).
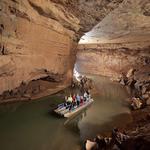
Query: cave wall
point(38, 38)
point(29, 46)
point(130, 22)
point(117, 43)
point(112, 59)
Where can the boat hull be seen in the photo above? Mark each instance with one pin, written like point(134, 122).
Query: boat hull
point(69, 113)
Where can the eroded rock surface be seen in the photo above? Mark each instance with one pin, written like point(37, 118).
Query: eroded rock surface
point(31, 47)
point(130, 22)
point(112, 59)
point(40, 36)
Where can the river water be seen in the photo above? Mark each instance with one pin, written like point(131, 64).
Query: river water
point(29, 126)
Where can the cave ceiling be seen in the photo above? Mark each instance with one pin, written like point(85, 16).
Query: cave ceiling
point(130, 22)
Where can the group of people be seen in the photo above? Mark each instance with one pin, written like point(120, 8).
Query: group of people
point(99, 143)
point(76, 100)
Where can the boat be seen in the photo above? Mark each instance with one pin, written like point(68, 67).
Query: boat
point(61, 110)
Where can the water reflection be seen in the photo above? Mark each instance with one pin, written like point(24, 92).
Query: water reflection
point(29, 126)
point(76, 119)
point(108, 110)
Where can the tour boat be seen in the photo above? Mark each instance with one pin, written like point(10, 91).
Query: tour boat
point(61, 110)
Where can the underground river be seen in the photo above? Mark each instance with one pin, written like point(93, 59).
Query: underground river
point(29, 126)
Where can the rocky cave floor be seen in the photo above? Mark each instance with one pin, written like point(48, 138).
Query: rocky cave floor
point(138, 130)
point(138, 82)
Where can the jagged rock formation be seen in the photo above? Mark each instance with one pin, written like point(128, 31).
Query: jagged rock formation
point(128, 63)
point(40, 36)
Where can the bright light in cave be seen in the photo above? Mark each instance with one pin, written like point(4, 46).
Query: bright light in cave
point(88, 38)
point(76, 74)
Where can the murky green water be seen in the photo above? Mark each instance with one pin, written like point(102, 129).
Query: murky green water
point(29, 126)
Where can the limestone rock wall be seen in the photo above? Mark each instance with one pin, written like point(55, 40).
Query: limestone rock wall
point(38, 38)
point(129, 22)
point(32, 44)
point(112, 59)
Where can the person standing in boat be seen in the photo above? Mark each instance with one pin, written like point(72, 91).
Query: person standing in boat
point(66, 98)
point(70, 99)
point(81, 100)
point(70, 102)
point(78, 99)
point(85, 96)
point(74, 100)
point(89, 95)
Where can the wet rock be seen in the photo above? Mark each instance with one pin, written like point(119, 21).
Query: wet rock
point(89, 145)
point(85, 84)
point(145, 96)
point(130, 73)
point(115, 79)
point(124, 80)
point(131, 82)
point(148, 101)
point(136, 143)
point(138, 85)
point(144, 89)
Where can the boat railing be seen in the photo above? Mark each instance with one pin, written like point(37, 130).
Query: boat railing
point(61, 105)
